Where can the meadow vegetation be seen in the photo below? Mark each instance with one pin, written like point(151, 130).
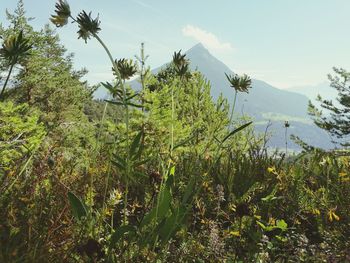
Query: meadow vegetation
point(162, 173)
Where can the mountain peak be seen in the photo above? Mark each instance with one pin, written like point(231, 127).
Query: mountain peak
point(198, 48)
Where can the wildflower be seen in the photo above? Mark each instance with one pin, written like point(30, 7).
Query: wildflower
point(272, 221)
point(181, 64)
point(342, 174)
point(271, 169)
point(87, 25)
point(274, 171)
point(235, 233)
point(205, 185)
point(215, 243)
point(126, 67)
point(62, 14)
point(239, 83)
point(332, 215)
point(15, 47)
point(115, 197)
point(315, 211)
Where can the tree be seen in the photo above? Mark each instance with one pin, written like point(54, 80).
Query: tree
point(46, 79)
point(336, 118)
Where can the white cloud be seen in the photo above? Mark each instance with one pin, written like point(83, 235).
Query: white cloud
point(208, 39)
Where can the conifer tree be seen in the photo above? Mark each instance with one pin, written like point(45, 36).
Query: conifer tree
point(335, 118)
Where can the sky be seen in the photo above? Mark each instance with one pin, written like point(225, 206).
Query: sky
point(286, 43)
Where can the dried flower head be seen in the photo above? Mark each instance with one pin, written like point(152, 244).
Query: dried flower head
point(239, 83)
point(15, 47)
point(62, 14)
point(181, 64)
point(126, 67)
point(87, 25)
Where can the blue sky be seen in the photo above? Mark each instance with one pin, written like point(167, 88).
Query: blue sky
point(286, 43)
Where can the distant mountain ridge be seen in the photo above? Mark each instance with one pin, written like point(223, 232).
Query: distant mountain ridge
point(263, 102)
point(312, 91)
point(261, 98)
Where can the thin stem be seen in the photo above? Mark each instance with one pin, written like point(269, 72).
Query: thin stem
point(6, 81)
point(233, 107)
point(285, 136)
point(128, 151)
point(122, 83)
point(172, 121)
point(111, 58)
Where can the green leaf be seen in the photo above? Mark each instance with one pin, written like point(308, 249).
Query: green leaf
point(119, 165)
point(172, 170)
point(281, 224)
point(236, 130)
point(78, 207)
point(271, 196)
point(132, 96)
point(172, 223)
point(115, 102)
point(135, 105)
point(182, 143)
point(136, 143)
point(119, 162)
point(158, 212)
point(136, 164)
point(189, 190)
point(261, 225)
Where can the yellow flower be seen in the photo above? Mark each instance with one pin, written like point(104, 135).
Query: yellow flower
point(205, 184)
point(332, 215)
point(315, 211)
point(235, 233)
point(108, 211)
point(271, 169)
point(342, 174)
point(272, 221)
point(232, 207)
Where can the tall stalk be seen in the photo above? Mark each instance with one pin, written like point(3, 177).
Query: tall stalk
point(233, 107)
point(6, 81)
point(121, 82)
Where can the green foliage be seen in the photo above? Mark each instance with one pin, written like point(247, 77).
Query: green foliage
point(20, 135)
point(78, 207)
point(336, 118)
point(154, 175)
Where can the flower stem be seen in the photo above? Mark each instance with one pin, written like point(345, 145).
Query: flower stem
point(6, 81)
point(233, 107)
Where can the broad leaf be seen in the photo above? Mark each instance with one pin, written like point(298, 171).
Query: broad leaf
point(78, 207)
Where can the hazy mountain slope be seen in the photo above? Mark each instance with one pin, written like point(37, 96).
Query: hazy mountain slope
point(312, 91)
point(264, 102)
point(261, 98)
